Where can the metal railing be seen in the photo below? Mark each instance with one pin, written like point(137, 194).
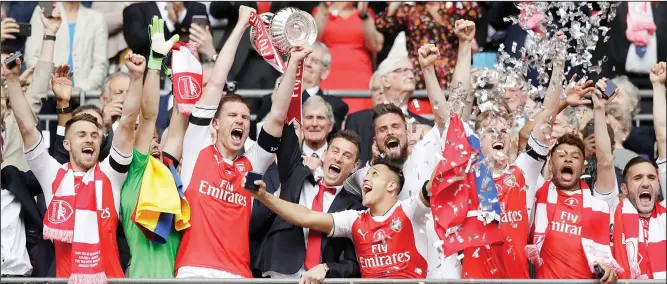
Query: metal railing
point(330, 281)
point(255, 93)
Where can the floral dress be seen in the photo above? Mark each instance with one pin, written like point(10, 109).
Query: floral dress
point(421, 28)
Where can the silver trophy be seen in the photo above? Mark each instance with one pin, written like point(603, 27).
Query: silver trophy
point(287, 28)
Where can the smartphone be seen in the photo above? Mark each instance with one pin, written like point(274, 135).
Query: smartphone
point(200, 20)
point(590, 129)
point(48, 8)
point(10, 62)
point(611, 88)
point(250, 181)
point(25, 30)
point(599, 272)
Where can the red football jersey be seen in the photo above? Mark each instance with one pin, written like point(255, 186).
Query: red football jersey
point(389, 246)
point(506, 260)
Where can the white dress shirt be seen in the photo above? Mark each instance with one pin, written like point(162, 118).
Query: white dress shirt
point(313, 90)
point(308, 193)
point(15, 259)
point(309, 152)
point(164, 12)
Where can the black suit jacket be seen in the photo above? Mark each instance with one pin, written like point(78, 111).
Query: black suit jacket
point(361, 122)
point(230, 10)
point(338, 106)
point(262, 217)
point(138, 16)
point(25, 187)
point(283, 250)
point(618, 43)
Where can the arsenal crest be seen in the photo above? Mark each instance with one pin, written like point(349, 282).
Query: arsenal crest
point(396, 225)
point(241, 168)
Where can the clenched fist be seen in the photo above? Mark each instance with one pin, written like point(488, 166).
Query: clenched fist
point(135, 64)
point(465, 30)
point(658, 73)
point(428, 55)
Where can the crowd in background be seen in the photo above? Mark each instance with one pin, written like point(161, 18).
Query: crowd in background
point(379, 164)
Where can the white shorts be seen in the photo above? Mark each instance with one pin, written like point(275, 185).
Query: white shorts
point(202, 272)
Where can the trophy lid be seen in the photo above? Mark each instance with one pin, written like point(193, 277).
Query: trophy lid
point(292, 27)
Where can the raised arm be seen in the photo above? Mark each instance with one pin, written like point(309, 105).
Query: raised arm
point(124, 134)
point(460, 86)
point(374, 39)
point(150, 101)
point(275, 120)
point(428, 55)
point(150, 98)
point(20, 107)
point(293, 213)
point(606, 174)
point(658, 74)
point(216, 84)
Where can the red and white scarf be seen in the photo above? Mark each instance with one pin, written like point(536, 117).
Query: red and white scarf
point(594, 226)
point(640, 23)
point(80, 202)
point(629, 237)
point(187, 77)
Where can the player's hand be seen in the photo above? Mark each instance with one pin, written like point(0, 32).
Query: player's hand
point(658, 73)
point(61, 83)
point(17, 67)
point(299, 53)
point(136, 64)
point(204, 40)
point(610, 276)
point(576, 91)
point(428, 55)
point(245, 13)
point(158, 44)
point(259, 193)
point(314, 276)
point(465, 30)
point(599, 101)
point(311, 162)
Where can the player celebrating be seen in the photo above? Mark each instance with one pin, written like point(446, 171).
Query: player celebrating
point(216, 245)
point(388, 237)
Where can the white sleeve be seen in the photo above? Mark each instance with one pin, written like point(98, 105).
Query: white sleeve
point(414, 208)
point(421, 163)
point(662, 176)
point(611, 198)
point(531, 162)
point(343, 223)
point(116, 167)
point(43, 166)
point(197, 137)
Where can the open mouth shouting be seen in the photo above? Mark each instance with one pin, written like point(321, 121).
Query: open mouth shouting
point(499, 146)
point(567, 174)
point(333, 171)
point(645, 198)
point(392, 146)
point(237, 136)
point(88, 152)
point(366, 188)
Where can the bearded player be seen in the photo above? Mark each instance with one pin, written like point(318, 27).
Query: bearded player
point(638, 222)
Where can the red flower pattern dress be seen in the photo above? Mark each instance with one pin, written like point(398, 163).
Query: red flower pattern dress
point(420, 28)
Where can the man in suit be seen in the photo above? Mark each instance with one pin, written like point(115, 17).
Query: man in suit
point(292, 252)
point(249, 68)
point(177, 18)
point(394, 83)
point(316, 68)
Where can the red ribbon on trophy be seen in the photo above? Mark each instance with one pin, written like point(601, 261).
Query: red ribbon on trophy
point(263, 44)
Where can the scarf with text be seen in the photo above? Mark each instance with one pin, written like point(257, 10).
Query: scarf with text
point(594, 226)
point(187, 77)
point(78, 201)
